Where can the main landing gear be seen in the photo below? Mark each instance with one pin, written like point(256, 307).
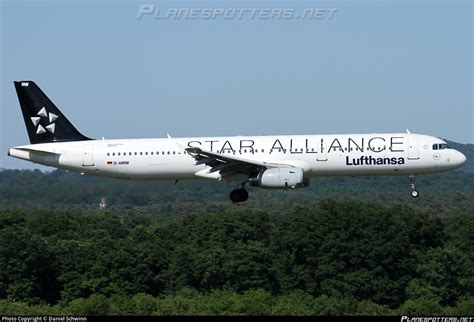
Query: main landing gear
point(239, 194)
point(414, 192)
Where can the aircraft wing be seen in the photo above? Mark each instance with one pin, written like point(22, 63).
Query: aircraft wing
point(227, 165)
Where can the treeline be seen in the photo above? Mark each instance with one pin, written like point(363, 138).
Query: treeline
point(61, 190)
point(338, 257)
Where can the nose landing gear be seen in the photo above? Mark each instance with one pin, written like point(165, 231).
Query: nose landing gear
point(414, 192)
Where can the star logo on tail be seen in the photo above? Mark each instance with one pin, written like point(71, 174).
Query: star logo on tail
point(50, 118)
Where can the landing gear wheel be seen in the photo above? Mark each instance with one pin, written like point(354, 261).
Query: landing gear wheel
point(414, 192)
point(239, 195)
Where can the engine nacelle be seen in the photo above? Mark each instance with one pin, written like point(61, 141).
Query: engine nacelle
point(279, 178)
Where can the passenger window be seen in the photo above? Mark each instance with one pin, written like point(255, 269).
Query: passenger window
point(174, 152)
point(113, 154)
point(168, 152)
point(141, 153)
point(108, 154)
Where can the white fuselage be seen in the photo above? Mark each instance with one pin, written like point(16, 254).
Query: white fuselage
point(317, 155)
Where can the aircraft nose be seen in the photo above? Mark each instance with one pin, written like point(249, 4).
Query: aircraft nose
point(459, 159)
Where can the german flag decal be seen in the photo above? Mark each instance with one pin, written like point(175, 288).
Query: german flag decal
point(109, 162)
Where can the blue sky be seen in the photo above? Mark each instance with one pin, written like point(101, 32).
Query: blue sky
point(376, 66)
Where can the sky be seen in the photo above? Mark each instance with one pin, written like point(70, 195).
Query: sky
point(135, 69)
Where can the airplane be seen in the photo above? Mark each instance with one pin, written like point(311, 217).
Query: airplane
point(271, 162)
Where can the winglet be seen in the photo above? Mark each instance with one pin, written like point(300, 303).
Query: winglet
point(408, 131)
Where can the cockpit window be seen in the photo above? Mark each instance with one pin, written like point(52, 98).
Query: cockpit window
point(440, 146)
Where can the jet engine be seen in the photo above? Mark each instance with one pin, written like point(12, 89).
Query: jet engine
point(279, 178)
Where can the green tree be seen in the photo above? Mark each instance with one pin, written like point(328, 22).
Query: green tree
point(93, 305)
point(362, 250)
point(440, 276)
point(421, 307)
point(27, 270)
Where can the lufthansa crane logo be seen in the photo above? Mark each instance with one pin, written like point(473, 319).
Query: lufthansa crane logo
point(50, 118)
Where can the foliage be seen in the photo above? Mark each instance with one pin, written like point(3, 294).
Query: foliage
point(188, 251)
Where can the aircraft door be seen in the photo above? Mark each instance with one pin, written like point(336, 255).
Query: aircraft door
point(88, 155)
point(413, 150)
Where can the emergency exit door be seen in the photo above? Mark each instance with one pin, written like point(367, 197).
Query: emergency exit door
point(413, 150)
point(88, 155)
